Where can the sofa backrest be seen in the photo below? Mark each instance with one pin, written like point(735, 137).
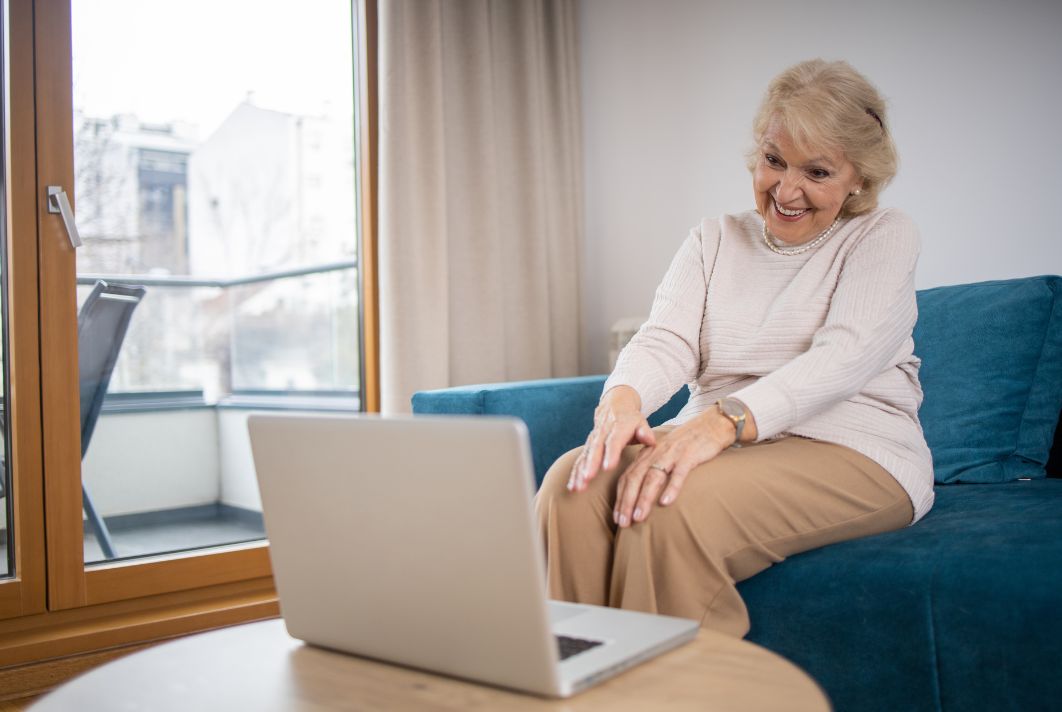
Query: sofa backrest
point(991, 372)
point(992, 376)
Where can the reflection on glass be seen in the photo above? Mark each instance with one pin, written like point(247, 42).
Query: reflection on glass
point(217, 173)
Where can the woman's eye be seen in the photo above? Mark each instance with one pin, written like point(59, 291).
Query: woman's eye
point(819, 174)
point(772, 160)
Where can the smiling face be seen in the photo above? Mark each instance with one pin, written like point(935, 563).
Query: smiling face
point(800, 191)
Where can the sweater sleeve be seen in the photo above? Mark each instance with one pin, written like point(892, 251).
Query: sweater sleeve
point(870, 319)
point(665, 353)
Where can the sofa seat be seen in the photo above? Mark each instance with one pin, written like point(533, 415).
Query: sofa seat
point(961, 612)
point(975, 588)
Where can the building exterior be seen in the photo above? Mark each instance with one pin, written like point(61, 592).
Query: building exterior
point(265, 192)
point(269, 191)
point(131, 187)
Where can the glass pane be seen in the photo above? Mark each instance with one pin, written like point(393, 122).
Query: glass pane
point(215, 194)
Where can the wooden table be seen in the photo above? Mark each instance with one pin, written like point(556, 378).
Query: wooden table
point(258, 666)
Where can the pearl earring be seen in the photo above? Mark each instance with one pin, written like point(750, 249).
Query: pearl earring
point(857, 191)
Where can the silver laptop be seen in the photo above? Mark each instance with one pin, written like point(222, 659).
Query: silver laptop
point(411, 540)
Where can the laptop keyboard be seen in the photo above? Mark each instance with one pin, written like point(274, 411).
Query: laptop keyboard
point(573, 646)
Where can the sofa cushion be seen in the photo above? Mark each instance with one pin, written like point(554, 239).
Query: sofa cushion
point(956, 613)
point(992, 375)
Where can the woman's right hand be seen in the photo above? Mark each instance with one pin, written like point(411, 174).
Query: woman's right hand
point(618, 422)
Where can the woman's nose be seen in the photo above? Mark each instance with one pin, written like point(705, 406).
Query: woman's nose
point(789, 188)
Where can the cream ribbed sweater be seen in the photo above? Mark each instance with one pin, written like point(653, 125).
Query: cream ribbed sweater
point(817, 345)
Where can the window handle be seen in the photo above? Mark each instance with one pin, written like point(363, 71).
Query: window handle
point(59, 203)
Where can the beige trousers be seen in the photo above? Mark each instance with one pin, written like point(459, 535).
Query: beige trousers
point(736, 515)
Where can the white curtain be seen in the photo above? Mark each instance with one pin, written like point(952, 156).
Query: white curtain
point(480, 198)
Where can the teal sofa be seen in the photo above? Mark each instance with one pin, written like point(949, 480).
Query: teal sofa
point(963, 610)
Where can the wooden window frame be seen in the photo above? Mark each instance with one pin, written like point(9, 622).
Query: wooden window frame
point(365, 34)
point(24, 593)
point(55, 606)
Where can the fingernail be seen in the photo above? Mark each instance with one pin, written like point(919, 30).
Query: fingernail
point(668, 498)
point(570, 485)
point(637, 514)
point(604, 464)
point(623, 520)
point(615, 517)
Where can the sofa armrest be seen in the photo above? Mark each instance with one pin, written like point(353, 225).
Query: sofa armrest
point(559, 412)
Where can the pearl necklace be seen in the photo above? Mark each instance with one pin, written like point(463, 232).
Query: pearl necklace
point(822, 237)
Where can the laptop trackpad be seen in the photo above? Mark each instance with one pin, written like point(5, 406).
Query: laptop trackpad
point(562, 611)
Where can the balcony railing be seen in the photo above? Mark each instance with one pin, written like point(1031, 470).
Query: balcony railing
point(284, 335)
point(154, 280)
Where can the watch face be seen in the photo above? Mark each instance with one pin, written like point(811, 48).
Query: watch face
point(732, 408)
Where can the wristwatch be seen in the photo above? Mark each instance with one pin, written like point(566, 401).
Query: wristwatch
point(734, 409)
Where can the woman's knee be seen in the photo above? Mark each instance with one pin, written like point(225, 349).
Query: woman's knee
point(706, 516)
point(554, 495)
point(556, 479)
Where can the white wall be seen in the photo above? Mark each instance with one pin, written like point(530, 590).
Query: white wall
point(239, 486)
point(159, 460)
point(670, 88)
point(142, 462)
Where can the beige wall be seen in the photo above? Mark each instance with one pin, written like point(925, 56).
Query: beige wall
point(669, 89)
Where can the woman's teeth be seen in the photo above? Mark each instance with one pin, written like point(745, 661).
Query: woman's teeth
point(789, 213)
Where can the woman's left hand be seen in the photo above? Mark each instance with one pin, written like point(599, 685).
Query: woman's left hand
point(663, 468)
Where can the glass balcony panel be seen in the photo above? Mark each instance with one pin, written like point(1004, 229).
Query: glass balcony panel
point(275, 321)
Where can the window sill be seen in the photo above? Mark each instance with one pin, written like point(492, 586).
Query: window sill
point(49, 637)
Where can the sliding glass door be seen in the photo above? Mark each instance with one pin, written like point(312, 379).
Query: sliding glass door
point(213, 156)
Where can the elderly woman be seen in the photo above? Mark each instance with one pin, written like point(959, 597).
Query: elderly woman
point(792, 325)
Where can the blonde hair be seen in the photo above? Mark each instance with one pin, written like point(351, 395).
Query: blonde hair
point(831, 105)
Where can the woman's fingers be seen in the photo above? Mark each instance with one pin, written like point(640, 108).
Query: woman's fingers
point(656, 478)
point(604, 446)
point(582, 463)
point(623, 434)
point(589, 461)
point(628, 485)
point(616, 419)
point(674, 484)
point(644, 434)
point(595, 452)
point(621, 489)
point(642, 476)
point(577, 468)
point(659, 472)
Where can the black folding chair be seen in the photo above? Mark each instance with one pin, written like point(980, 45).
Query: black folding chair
point(101, 327)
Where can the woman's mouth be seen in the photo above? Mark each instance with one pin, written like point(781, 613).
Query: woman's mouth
point(788, 215)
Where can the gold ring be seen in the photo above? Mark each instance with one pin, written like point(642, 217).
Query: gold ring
point(663, 469)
